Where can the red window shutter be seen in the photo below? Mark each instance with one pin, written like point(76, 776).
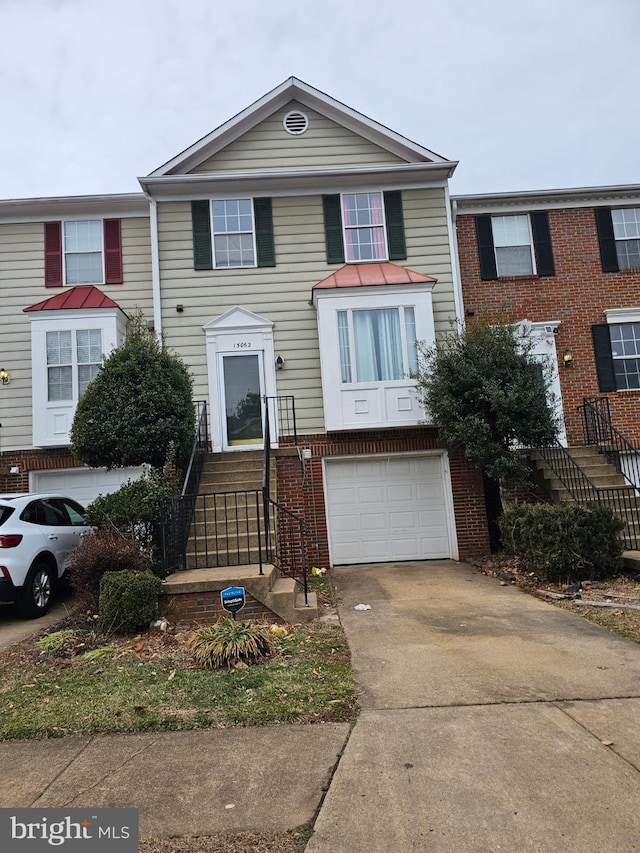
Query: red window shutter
point(112, 252)
point(53, 254)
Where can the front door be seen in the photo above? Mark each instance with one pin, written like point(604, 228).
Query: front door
point(544, 351)
point(242, 389)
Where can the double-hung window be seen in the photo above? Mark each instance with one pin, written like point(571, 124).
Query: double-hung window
point(83, 252)
point(377, 344)
point(73, 360)
point(625, 352)
point(364, 227)
point(626, 231)
point(233, 233)
point(513, 245)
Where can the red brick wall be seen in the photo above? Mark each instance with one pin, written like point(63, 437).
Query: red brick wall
point(32, 460)
point(300, 488)
point(204, 608)
point(577, 295)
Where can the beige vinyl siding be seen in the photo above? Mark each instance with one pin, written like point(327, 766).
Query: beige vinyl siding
point(324, 144)
point(282, 293)
point(22, 284)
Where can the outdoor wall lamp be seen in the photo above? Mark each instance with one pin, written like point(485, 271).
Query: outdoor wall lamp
point(279, 362)
point(567, 358)
point(4, 376)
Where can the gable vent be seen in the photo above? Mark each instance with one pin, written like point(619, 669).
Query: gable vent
point(295, 122)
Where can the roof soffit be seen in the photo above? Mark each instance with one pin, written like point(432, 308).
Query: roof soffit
point(305, 95)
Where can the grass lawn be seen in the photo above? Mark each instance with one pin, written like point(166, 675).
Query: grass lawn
point(75, 682)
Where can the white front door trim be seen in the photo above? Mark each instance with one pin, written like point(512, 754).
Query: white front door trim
point(543, 338)
point(235, 332)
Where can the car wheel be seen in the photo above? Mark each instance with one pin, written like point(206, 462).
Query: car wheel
point(36, 593)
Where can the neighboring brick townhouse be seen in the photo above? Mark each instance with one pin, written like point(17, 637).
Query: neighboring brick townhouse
point(568, 261)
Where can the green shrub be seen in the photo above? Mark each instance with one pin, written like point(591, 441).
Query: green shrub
point(134, 510)
point(101, 552)
point(56, 641)
point(128, 600)
point(564, 542)
point(229, 642)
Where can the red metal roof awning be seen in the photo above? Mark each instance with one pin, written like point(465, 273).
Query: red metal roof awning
point(83, 296)
point(372, 275)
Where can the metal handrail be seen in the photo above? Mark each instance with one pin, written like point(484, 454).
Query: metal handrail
point(599, 430)
point(200, 447)
point(285, 409)
point(573, 478)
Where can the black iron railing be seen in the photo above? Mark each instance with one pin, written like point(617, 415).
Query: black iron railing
point(286, 543)
point(198, 451)
point(619, 499)
point(600, 431)
point(283, 410)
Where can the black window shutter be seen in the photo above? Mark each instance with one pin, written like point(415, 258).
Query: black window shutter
point(608, 252)
point(264, 232)
point(201, 225)
point(604, 359)
point(542, 243)
point(484, 232)
point(333, 229)
point(395, 226)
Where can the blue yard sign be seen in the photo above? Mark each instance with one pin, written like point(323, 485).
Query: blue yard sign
point(233, 599)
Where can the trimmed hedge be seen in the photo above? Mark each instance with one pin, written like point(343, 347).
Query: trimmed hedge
point(128, 600)
point(564, 543)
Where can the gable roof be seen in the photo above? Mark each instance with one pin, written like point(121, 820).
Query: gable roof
point(82, 296)
point(295, 89)
point(372, 275)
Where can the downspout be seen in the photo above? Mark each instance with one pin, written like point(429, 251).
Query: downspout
point(452, 213)
point(155, 268)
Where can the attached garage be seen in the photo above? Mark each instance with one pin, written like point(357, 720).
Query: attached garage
point(82, 484)
point(388, 508)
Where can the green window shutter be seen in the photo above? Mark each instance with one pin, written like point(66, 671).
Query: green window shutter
point(395, 226)
point(201, 224)
point(333, 229)
point(264, 232)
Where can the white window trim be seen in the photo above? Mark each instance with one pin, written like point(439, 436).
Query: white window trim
point(52, 420)
point(400, 307)
point(64, 251)
point(534, 269)
point(346, 228)
point(616, 316)
point(377, 398)
point(227, 233)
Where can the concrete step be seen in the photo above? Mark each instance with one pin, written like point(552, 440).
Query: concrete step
point(286, 600)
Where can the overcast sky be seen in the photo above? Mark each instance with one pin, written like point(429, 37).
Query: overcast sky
point(526, 94)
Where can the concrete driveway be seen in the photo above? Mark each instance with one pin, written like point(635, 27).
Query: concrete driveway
point(491, 721)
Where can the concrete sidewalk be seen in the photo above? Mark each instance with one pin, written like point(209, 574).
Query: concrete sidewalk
point(492, 721)
point(183, 783)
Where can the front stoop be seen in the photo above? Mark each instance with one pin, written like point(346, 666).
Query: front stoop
point(194, 595)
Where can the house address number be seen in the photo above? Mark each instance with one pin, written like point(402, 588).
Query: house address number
point(242, 345)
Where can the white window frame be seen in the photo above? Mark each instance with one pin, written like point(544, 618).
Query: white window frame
point(402, 320)
point(371, 404)
point(233, 233)
point(66, 222)
point(534, 270)
point(620, 240)
point(74, 364)
point(52, 420)
point(346, 228)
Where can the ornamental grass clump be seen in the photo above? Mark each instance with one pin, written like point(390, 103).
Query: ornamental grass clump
point(229, 643)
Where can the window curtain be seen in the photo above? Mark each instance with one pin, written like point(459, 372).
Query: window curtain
point(378, 345)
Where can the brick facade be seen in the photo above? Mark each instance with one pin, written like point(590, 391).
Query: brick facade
point(300, 484)
point(204, 608)
point(33, 459)
point(577, 295)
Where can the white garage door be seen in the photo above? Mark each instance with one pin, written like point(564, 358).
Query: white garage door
point(387, 508)
point(82, 484)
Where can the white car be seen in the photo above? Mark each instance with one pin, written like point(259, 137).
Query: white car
point(37, 534)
